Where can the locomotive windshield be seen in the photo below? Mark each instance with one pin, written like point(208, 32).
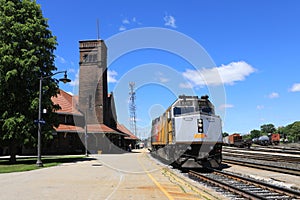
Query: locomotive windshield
point(190, 104)
point(183, 110)
point(205, 106)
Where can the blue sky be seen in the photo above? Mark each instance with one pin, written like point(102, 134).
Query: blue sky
point(254, 46)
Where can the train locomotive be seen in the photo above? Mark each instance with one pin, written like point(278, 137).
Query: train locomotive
point(188, 134)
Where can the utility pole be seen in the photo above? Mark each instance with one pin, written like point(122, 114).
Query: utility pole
point(132, 108)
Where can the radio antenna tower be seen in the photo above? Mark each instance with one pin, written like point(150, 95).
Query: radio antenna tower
point(132, 108)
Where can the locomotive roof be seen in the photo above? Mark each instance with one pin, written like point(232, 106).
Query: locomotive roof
point(195, 98)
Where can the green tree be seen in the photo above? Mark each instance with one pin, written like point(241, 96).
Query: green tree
point(267, 128)
point(255, 134)
point(280, 130)
point(247, 137)
point(292, 131)
point(26, 53)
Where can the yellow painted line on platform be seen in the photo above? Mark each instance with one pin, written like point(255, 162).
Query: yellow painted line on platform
point(203, 194)
point(155, 181)
point(183, 182)
point(160, 187)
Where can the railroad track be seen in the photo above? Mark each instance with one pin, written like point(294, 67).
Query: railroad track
point(288, 164)
point(262, 166)
point(238, 187)
point(283, 150)
point(276, 149)
point(266, 157)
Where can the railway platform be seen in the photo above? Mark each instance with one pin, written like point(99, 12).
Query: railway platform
point(106, 176)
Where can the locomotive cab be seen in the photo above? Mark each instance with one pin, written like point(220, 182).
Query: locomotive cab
point(190, 135)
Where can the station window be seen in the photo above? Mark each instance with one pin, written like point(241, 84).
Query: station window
point(87, 58)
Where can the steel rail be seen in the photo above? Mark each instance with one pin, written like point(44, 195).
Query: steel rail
point(262, 166)
point(263, 157)
point(242, 192)
point(266, 149)
point(225, 186)
point(274, 188)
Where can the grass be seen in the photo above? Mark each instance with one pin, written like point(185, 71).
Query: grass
point(29, 163)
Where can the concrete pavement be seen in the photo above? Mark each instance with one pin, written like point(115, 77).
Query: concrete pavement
point(109, 176)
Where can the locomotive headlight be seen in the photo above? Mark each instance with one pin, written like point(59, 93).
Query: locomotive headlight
point(200, 126)
point(189, 148)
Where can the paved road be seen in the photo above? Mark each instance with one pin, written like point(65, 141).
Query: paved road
point(117, 176)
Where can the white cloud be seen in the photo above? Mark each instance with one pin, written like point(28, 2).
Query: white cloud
point(163, 80)
point(295, 88)
point(111, 76)
point(76, 81)
point(273, 95)
point(125, 21)
point(185, 85)
point(128, 23)
point(161, 77)
point(260, 107)
point(224, 106)
point(71, 70)
point(225, 74)
point(122, 28)
point(61, 59)
point(170, 21)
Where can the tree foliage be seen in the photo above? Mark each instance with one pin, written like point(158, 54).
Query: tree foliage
point(292, 131)
point(255, 134)
point(267, 128)
point(26, 53)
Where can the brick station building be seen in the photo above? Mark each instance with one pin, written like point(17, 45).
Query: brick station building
point(93, 112)
point(69, 136)
point(91, 115)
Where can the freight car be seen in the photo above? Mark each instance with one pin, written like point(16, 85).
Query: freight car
point(236, 140)
point(188, 134)
point(274, 138)
point(270, 139)
point(233, 140)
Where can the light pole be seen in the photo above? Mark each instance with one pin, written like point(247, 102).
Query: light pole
point(39, 162)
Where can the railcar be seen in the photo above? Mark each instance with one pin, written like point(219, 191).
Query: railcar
point(274, 138)
point(270, 139)
point(188, 134)
point(233, 140)
point(236, 140)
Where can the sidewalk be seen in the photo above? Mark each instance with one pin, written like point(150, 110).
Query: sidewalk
point(112, 176)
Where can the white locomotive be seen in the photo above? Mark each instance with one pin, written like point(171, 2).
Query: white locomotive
point(188, 134)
